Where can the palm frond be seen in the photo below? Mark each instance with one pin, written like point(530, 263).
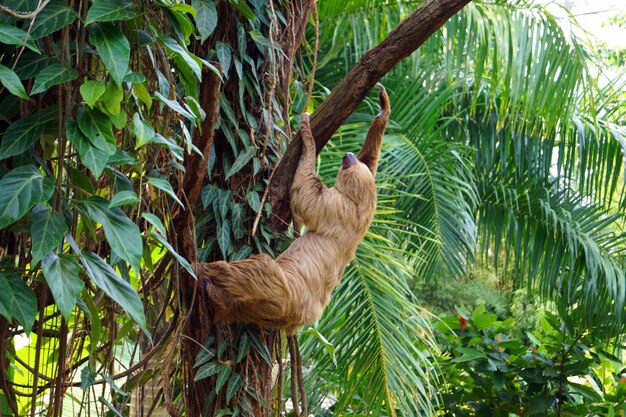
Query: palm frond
point(562, 244)
point(381, 340)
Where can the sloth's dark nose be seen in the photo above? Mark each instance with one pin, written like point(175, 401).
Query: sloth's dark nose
point(348, 160)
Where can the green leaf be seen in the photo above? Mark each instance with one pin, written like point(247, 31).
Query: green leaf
point(47, 231)
point(206, 18)
point(122, 158)
point(110, 10)
point(155, 221)
point(87, 377)
point(113, 48)
point(223, 237)
point(241, 161)
point(22, 188)
point(122, 234)
point(245, 10)
point(120, 291)
point(96, 126)
point(20, 135)
point(253, 200)
point(55, 16)
point(92, 157)
point(11, 81)
point(222, 377)
point(209, 194)
point(239, 230)
point(234, 383)
point(164, 185)
point(52, 75)
point(483, 321)
point(11, 35)
point(143, 131)
point(62, 273)
point(6, 302)
point(134, 78)
point(330, 348)
point(174, 105)
point(141, 92)
point(176, 150)
point(91, 91)
point(207, 370)
point(112, 101)
point(468, 355)
point(182, 261)
point(224, 56)
point(124, 198)
point(19, 298)
point(192, 61)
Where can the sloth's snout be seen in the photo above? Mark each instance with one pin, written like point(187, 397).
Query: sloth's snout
point(348, 160)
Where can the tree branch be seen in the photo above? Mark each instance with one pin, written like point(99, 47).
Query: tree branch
point(404, 39)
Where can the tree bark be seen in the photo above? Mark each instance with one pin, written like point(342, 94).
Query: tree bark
point(404, 39)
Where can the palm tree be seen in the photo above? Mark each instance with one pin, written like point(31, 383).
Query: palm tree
point(501, 142)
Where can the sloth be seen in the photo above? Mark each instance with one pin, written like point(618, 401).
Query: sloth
point(293, 289)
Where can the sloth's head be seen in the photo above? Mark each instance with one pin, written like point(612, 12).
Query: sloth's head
point(354, 178)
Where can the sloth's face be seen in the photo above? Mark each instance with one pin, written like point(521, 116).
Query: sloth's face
point(354, 178)
point(348, 160)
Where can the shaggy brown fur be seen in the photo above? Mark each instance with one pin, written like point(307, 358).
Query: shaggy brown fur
point(294, 289)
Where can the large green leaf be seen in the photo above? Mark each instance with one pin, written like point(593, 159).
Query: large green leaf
point(144, 132)
point(22, 188)
point(11, 35)
point(47, 231)
point(120, 291)
point(113, 48)
point(11, 81)
point(91, 91)
point(191, 60)
point(52, 75)
point(53, 17)
point(110, 10)
point(20, 135)
point(93, 157)
point(18, 299)
point(62, 273)
point(97, 127)
point(122, 234)
point(206, 18)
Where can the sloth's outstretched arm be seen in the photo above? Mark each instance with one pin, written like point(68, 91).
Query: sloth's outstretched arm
point(370, 150)
point(307, 191)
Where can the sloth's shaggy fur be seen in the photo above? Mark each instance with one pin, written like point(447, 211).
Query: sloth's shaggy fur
point(294, 289)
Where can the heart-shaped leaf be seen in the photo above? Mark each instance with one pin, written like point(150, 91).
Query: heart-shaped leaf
point(22, 188)
point(18, 299)
point(20, 135)
point(92, 157)
point(122, 234)
point(62, 273)
point(47, 231)
point(97, 127)
point(113, 48)
point(52, 75)
point(51, 18)
point(91, 91)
